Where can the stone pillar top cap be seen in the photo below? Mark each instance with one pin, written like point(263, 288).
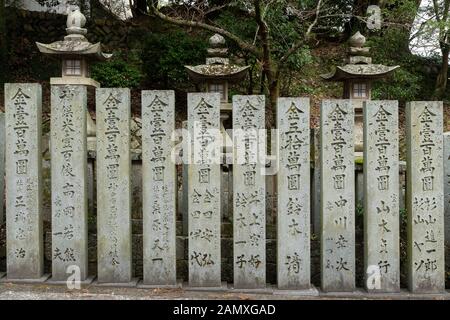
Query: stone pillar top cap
point(357, 40)
point(75, 21)
point(217, 40)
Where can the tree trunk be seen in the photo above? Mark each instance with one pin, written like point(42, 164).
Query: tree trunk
point(441, 80)
point(274, 92)
point(3, 46)
point(139, 8)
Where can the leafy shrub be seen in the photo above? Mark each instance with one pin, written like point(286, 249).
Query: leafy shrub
point(164, 56)
point(122, 71)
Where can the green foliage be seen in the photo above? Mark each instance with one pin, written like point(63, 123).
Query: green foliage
point(404, 85)
point(300, 58)
point(399, 11)
point(164, 56)
point(408, 82)
point(404, 215)
point(359, 209)
point(122, 71)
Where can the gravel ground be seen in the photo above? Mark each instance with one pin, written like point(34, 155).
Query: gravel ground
point(54, 292)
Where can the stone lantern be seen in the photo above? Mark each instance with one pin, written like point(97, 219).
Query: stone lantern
point(357, 76)
point(76, 54)
point(217, 74)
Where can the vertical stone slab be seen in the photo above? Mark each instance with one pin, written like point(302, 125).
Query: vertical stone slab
point(160, 188)
point(113, 186)
point(184, 188)
point(446, 165)
point(425, 197)
point(293, 254)
point(446, 159)
point(381, 197)
point(337, 195)
point(249, 214)
point(204, 190)
point(2, 165)
point(69, 181)
point(25, 258)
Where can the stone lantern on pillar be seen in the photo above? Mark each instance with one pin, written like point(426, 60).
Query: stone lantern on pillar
point(357, 76)
point(76, 54)
point(217, 74)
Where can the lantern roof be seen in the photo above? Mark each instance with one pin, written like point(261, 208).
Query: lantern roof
point(75, 43)
point(217, 66)
point(359, 64)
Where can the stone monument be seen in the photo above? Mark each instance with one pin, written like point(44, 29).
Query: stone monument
point(425, 199)
point(293, 246)
point(337, 196)
point(114, 187)
point(25, 250)
point(381, 200)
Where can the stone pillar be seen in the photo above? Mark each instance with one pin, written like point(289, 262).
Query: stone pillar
point(381, 197)
point(204, 189)
point(249, 214)
point(113, 186)
point(69, 182)
point(2, 165)
point(447, 187)
point(293, 244)
point(25, 258)
point(184, 188)
point(337, 196)
point(425, 197)
point(159, 187)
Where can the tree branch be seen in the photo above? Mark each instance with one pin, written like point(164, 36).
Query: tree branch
point(201, 25)
point(300, 43)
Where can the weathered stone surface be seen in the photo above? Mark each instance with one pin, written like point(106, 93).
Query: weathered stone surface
point(293, 254)
point(69, 181)
point(204, 189)
point(381, 196)
point(447, 187)
point(425, 197)
point(159, 187)
point(25, 258)
point(337, 196)
point(113, 186)
point(2, 165)
point(249, 184)
point(185, 186)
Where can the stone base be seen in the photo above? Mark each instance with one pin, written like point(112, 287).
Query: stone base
point(25, 281)
point(311, 292)
point(74, 81)
point(223, 287)
point(357, 292)
point(2, 274)
point(142, 285)
point(132, 284)
point(266, 290)
point(86, 282)
point(402, 294)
